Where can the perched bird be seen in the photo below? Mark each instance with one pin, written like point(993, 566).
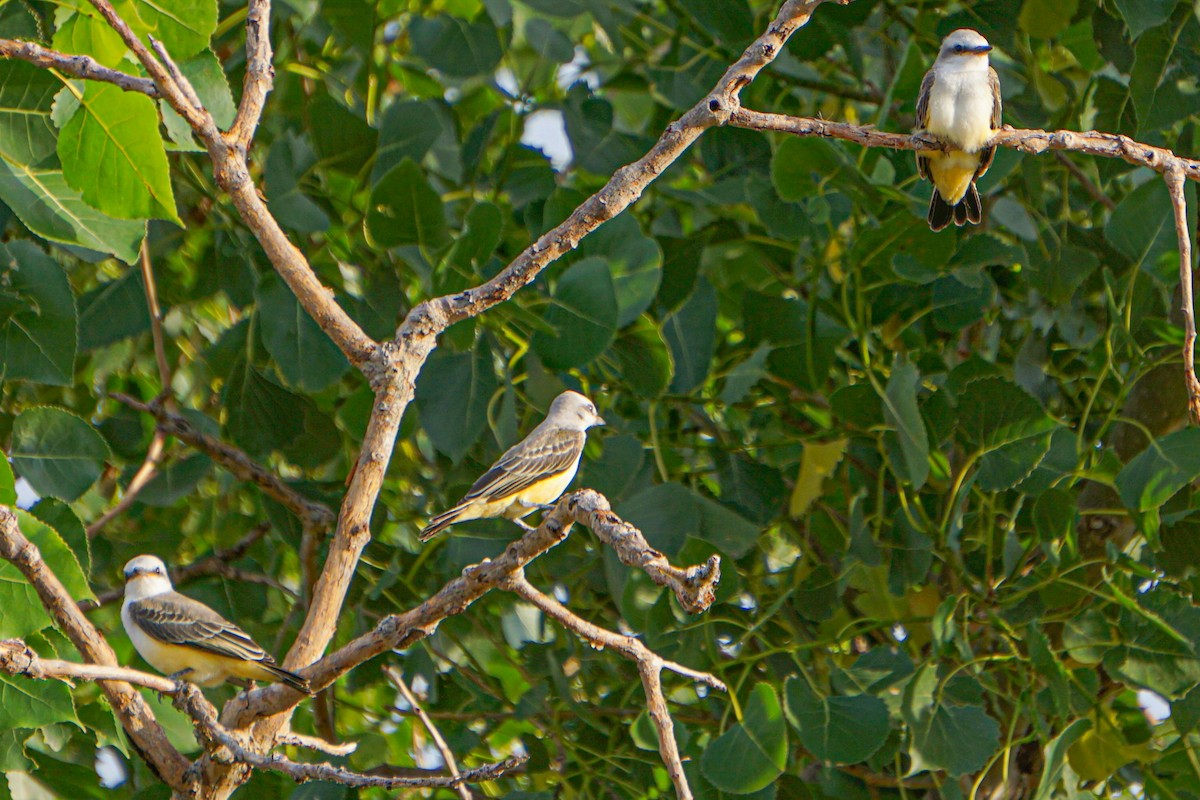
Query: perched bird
point(959, 104)
point(184, 638)
point(534, 471)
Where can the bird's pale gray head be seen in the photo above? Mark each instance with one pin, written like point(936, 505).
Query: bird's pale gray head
point(964, 45)
point(573, 411)
point(146, 576)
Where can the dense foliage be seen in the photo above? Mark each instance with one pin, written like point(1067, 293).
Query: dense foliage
point(944, 563)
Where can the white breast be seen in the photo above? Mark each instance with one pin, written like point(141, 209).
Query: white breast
point(960, 108)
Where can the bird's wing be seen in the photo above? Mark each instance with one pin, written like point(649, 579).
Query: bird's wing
point(988, 153)
point(923, 119)
point(175, 619)
point(527, 463)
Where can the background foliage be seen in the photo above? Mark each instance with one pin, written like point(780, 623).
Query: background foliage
point(897, 440)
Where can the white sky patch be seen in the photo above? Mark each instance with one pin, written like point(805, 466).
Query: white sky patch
point(110, 767)
point(26, 496)
point(546, 130)
point(1154, 705)
point(576, 71)
point(507, 81)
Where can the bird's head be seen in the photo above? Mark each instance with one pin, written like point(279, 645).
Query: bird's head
point(146, 576)
point(964, 46)
point(573, 411)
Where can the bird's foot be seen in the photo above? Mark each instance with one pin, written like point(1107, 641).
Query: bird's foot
point(525, 526)
point(181, 686)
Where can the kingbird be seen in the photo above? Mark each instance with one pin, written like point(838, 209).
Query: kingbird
point(959, 104)
point(534, 471)
point(184, 638)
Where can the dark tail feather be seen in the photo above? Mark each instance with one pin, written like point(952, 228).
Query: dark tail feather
point(971, 206)
point(940, 212)
point(439, 523)
point(290, 678)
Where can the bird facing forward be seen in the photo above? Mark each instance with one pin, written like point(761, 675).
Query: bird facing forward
point(533, 473)
point(184, 638)
point(959, 104)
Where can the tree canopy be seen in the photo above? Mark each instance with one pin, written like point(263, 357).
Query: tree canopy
point(948, 477)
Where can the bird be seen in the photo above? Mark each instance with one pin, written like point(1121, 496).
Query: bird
point(185, 639)
point(959, 104)
point(532, 473)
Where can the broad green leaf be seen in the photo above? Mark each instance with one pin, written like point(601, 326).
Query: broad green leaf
point(1046, 20)
point(183, 26)
point(1055, 758)
point(113, 311)
point(1054, 515)
point(23, 611)
point(1101, 750)
point(1142, 225)
point(288, 161)
point(725, 529)
point(691, 333)
point(666, 515)
point(405, 209)
point(1156, 474)
point(26, 93)
point(730, 21)
point(956, 738)
point(994, 412)
point(583, 315)
point(39, 327)
point(478, 239)
point(59, 454)
point(1088, 636)
point(341, 137)
point(803, 349)
point(838, 730)
point(752, 753)
point(26, 703)
point(901, 412)
point(176, 481)
point(634, 259)
point(8, 486)
point(548, 42)
point(112, 153)
point(819, 461)
point(455, 46)
point(89, 35)
point(559, 8)
point(262, 416)
point(59, 516)
point(207, 77)
point(306, 358)
point(407, 129)
point(452, 396)
point(644, 358)
point(1142, 15)
point(1160, 637)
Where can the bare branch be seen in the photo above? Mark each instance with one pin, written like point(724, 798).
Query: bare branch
point(623, 188)
point(1175, 179)
point(693, 587)
point(234, 460)
point(313, 743)
point(84, 67)
point(16, 658)
point(650, 666)
point(130, 708)
point(397, 680)
point(260, 74)
point(1091, 188)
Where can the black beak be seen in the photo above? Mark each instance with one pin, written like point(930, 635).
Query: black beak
point(981, 49)
point(599, 420)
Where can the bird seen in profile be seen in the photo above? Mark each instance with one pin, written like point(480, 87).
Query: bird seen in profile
point(533, 473)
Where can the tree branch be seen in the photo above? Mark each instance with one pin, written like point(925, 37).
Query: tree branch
point(694, 587)
point(237, 462)
point(650, 666)
point(16, 658)
point(84, 67)
point(128, 705)
point(1174, 178)
point(260, 75)
point(393, 675)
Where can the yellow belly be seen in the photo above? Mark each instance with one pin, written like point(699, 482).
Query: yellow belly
point(952, 173)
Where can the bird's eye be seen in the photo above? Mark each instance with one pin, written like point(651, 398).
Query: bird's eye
point(958, 48)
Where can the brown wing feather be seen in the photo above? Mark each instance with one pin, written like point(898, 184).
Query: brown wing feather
point(988, 153)
point(176, 619)
point(923, 119)
point(527, 463)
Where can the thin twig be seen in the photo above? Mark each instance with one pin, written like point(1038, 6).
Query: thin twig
point(1091, 188)
point(1174, 178)
point(16, 658)
point(84, 67)
point(260, 74)
point(397, 680)
point(341, 749)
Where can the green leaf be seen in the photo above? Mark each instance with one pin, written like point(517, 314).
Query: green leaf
point(1142, 15)
point(59, 516)
point(901, 412)
point(548, 42)
point(1156, 474)
point(691, 332)
point(207, 77)
point(752, 753)
point(645, 358)
point(405, 209)
point(59, 454)
point(407, 129)
point(838, 730)
point(176, 481)
point(958, 739)
point(583, 315)
point(38, 341)
point(112, 153)
point(994, 412)
point(478, 239)
point(8, 485)
point(1142, 225)
point(183, 26)
point(1160, 636)
point(261, 415)
point(341, 136)
point(27, 135)
point(452, 396)
point(725, 529)
point(88, 35)
point(1046, 20)
point(1055, 756)
point(634, 259)
point(113, 311)
point(455, 46)
point(26, 703)
point(23, 611)
point(307, 359)
point(1054, 515)
point(666, 515)
point(289, 160)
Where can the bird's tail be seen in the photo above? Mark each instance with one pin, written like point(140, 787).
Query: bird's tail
point(440, 523)
point(290, 678)
point(941, 213)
